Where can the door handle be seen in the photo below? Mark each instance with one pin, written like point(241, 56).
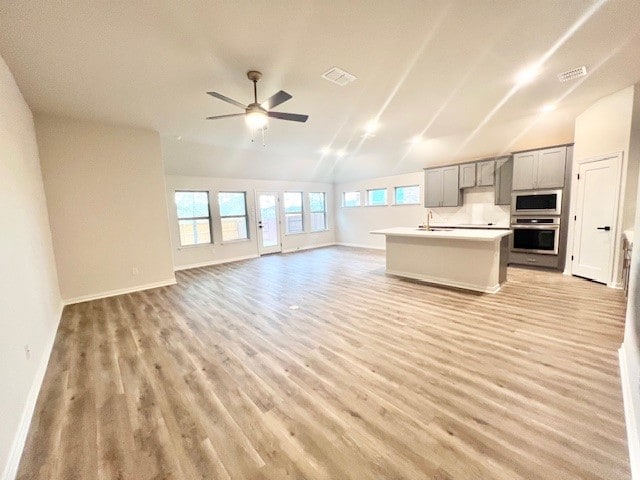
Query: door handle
point(605, 228)
point(260, 224)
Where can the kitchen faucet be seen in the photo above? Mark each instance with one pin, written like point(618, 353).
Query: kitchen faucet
point(429, 217)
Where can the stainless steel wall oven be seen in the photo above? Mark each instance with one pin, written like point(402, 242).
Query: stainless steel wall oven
point(535, 235)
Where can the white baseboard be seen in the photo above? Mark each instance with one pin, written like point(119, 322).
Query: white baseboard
point(630, 415)
point(308, 247)
point(120, 291)
point(15, 454)
point(359, 245)
point(214, 262)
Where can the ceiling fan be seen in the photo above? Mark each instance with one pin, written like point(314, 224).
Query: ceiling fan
point(256, 114)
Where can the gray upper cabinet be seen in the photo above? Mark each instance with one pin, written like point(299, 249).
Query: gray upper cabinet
point(450, 188)
point(441, 187)
point(467, 175)
point(433, 187)
point(539, 169)
point(503, 175)
point(551, 163)
point(485, 173)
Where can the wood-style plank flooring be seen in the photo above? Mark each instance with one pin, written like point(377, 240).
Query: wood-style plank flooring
point(371, 377)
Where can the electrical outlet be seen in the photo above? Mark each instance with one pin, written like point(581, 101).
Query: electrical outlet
point(135, 271)
point(27, 352)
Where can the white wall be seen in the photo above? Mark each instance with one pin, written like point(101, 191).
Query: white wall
point(186, 257)
point(630, 350)
point(30, 303)
point(107, 205)
point(602, 129)
point(354, 223)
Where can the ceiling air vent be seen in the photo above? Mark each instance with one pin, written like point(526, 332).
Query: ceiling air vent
point(572, 74)
point(338, 76)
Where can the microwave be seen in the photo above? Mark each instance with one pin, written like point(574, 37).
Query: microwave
point(538, 202)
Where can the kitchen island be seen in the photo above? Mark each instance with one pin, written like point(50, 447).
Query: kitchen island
point(473, 259)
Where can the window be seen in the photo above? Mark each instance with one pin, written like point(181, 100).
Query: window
point(351, 199)
point(409, 195)
point(293, 212)
point(318, 210)
point(233, 215)
point(377, 196)
point(194, 217)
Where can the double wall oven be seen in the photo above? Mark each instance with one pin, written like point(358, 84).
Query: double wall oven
point(535, 221)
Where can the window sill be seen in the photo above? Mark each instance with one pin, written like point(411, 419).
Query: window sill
point(385, 205)
point(350, 206)
point(294, 233)
point(198, 245)
point(231, 242)
point(405, 204)
point(320, 231)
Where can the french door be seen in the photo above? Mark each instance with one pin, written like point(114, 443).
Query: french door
point(268, 218)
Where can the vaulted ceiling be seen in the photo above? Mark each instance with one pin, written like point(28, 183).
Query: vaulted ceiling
point(443, 70)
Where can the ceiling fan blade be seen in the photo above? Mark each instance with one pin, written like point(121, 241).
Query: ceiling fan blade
point(227, 116)
point(294, 117)
point(276, 100)
point(227, 99)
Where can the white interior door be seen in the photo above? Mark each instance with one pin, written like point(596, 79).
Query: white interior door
point(268, 218)
point(596, 215)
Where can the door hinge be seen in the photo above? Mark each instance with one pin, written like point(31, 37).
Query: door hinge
point(572, 258)
point(575, 217)
point(578, 176)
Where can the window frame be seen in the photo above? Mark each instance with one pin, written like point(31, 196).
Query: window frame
point(359, 199)
point(386, 195)
point(210, 242)
point(245, 216)
point(395, 196)
point(324, 211)
point(301, 213)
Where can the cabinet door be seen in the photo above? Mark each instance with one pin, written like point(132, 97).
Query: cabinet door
point(551, 163)
point(504, 174)
point(485, 171)
point(524, 170)
point(467, 175)
point(433, 187)
point(450, 187)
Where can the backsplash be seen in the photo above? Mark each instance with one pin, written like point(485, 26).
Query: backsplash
point(477, 208)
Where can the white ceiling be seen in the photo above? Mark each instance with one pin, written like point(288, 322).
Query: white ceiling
point(443, 68)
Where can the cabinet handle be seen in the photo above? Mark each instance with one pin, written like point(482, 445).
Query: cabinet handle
point(531, 260)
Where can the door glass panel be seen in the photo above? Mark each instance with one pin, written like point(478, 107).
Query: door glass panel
point(268, 216)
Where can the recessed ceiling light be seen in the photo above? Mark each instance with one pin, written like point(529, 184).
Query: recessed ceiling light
point(340, 153)
point(371, 126)
point(549, 107)
point(178, 137)
point(527, 75)
point(415, 140)
point(325, 151)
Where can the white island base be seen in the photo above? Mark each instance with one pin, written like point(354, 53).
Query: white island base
point(463, 258)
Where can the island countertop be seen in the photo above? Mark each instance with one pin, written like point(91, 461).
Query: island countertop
point(478, 234)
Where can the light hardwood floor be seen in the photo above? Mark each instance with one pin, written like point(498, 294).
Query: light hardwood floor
point(371, 377)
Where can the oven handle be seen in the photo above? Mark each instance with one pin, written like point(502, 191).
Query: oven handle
point(535, 227)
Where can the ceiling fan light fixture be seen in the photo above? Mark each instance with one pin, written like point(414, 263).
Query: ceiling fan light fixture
point(256, 119)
